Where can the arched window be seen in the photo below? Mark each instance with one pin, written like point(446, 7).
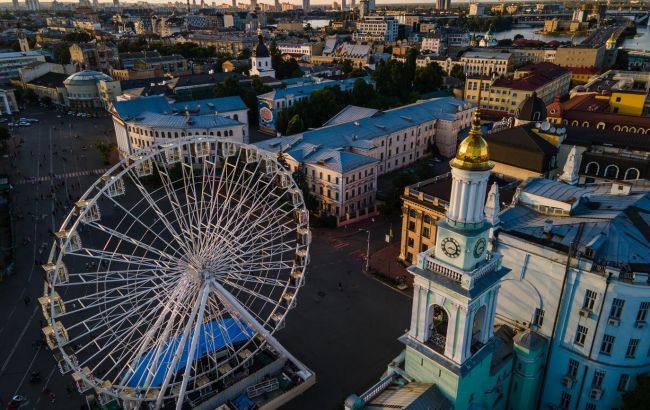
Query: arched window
point(575, 123)
point(236, 117)
point(585, 124)
point(631, 173)
point(592, 168)
point(565, 122)
point(156, 134)
point(632, 129)
point(600, 126)
point(611, 172)
point(625, 128)
point(479, 330)
point(437, 327)
point(617, 127)
point(218, 133)
point(536, 116)
point(176, 133)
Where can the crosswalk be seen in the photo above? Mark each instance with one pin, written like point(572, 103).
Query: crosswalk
point(354, 253)
point(98, 171)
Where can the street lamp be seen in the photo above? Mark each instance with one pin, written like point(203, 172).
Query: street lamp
point(367, 267)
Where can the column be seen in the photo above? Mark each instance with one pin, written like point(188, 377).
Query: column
point(471, 203)
point(414, 311)
point(481, 201)
point(461, 205)
point(451, 212)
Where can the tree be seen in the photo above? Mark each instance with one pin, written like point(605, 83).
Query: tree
point(458, 72)
point(518, 37)
point(428, 78)
point(78, 37)
point(227, 88)
point(411, 64)
point(46, 100)
point(638, 398)
point(295, 125)
point(505, 42)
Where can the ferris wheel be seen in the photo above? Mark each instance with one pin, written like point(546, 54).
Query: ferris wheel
point(174, 270)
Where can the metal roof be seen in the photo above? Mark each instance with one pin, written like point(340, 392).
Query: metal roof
point(183, 122)
point(161, 105)
point(615, 227)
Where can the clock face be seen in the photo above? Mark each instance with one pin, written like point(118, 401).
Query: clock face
point(450, 247)
point(479, 248)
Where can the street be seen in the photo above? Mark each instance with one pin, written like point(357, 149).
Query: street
point(345, 325)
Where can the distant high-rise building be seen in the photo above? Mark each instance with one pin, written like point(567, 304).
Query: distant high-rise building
point(202, 4)
point(33, 5)
point(353, 4)
point(95, 4)
point(116, 3)
point(234, 4)
point(253, 5)
point(16, 6)
point(278, 7)
point(305, 6)
point(371, 5)
point(343, 5)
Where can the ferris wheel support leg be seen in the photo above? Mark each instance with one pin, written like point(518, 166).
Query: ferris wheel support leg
point(177, 354)
point(236, 308)
point(195, 341)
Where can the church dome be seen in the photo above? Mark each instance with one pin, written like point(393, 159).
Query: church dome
point(531, 109)
point(261, 50)
point(611, 41)
point(473, 154)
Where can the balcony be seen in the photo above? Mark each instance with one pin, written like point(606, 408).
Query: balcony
point(466, 279)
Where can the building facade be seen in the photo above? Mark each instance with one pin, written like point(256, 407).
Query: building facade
point(377, 28)
point(486, 63)
point(147, 121)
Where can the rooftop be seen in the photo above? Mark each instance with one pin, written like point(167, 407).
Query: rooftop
point(86, 77)
point(616, 228)
point(50, 80)
point(161, 105)
point(307, 89)
point(486, 55)
point(534, 77)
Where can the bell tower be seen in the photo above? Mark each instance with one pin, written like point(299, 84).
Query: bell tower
point(456, 285)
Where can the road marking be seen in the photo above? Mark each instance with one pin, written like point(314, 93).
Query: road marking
point(20, 337)
point(98, 171)
point(27, 371)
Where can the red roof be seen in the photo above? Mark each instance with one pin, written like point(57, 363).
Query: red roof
point(583, 70)
point(537, 75)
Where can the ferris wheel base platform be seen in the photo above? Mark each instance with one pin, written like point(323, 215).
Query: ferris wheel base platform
point(294, 378)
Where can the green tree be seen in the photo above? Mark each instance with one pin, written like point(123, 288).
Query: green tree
point(78, 37)
point(505, 42)
point(458, 72)
point(411, 65)
point(638, 398)
point(364, 94)
point(295, 125)
point(46, 100)
point(428, 78)
point(227, 88)
point(299, 176)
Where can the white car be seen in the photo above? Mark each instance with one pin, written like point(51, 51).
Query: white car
point(32, 119)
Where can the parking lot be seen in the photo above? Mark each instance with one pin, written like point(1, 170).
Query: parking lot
point(344, 327)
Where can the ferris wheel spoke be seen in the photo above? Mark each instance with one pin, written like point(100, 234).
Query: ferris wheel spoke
point(175, 205)
point(115, 339)
point(249, 292)
point(132, 241)
point(161, 215)
point(148, 228)
point(242, 277)
point(121, 258)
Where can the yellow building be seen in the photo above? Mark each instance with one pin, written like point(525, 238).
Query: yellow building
point(629, 102)
point(580, 56)
point(625, 91)
point(505, 95)
point(551, 25)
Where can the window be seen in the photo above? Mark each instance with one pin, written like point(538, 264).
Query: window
point(565, 400)
point(622, 382)
point(617, 308)
point(590, 406)
point(597, 380)
point(590, 300)
point(411, 226)
point(412, 213)
point(606, 345)
point(572, 371)
point(643, 311)
point(410, 242)
point(409, 257)
point(631, 173)
point(426, 232)
point(538, 320)
point(611, 172)
point(426, 219)
point(592, 168)
point(581, 335)
point(631, 348)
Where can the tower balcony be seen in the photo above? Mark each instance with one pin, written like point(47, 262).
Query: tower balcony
point(467, 279)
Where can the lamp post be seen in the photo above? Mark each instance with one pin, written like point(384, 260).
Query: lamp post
point(367, 267)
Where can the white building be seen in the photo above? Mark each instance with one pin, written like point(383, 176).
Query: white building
point(261, 64)
point(147, 121)
point(377, 28)
point(486, 63)
point(584, 251)
point(361, 144)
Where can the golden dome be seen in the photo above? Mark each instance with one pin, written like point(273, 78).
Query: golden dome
point(611, 39)
point(473, 154)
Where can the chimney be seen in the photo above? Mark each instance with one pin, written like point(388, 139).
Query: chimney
point(548, 226)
